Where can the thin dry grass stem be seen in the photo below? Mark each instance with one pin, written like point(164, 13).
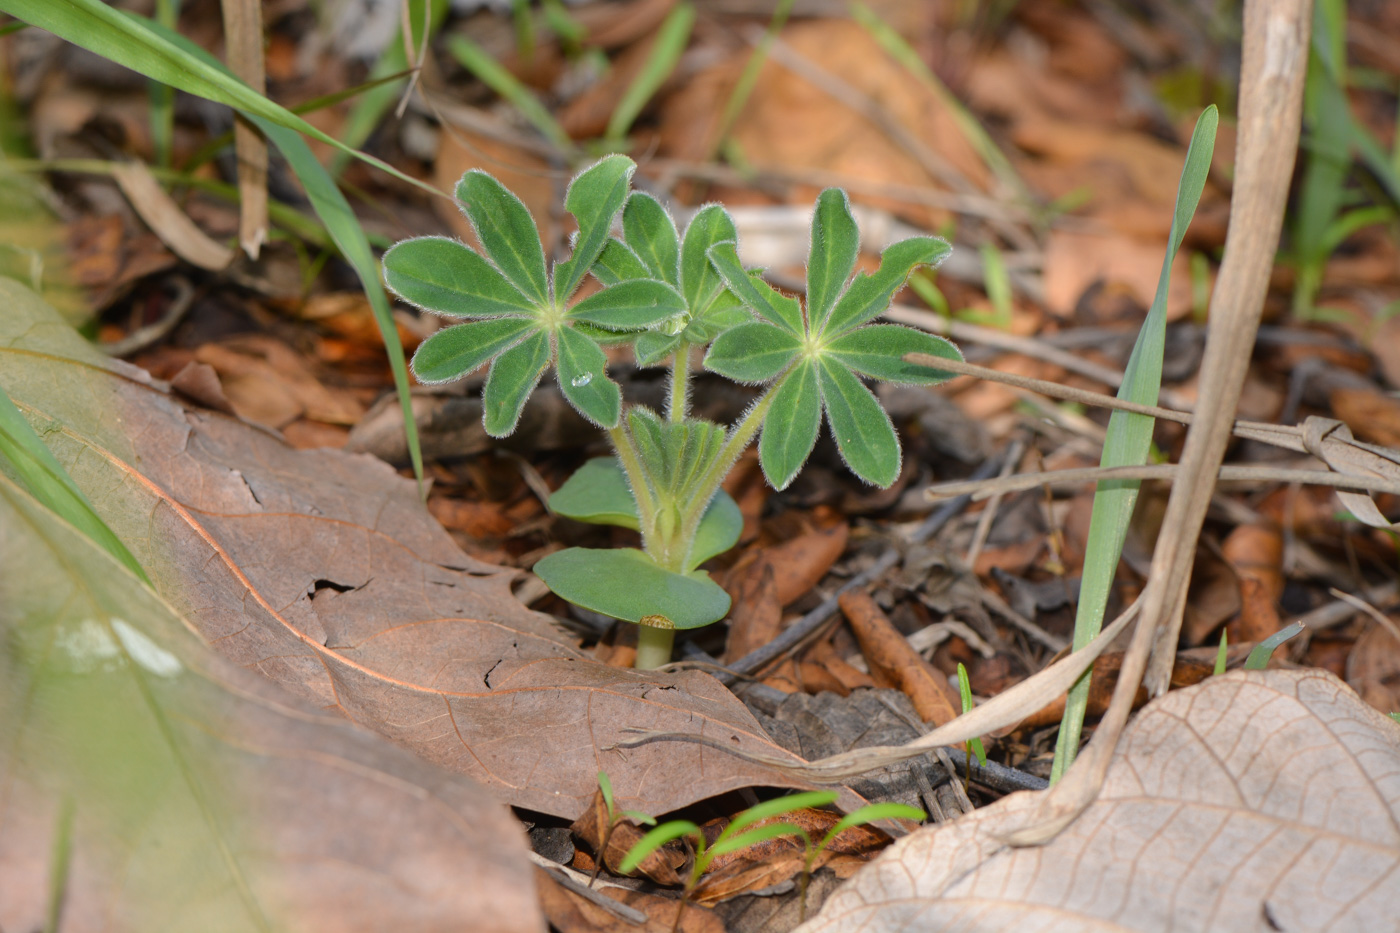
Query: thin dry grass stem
point(989, 514)
point(1276, 35)
point(1229, 473)
point(1370, 610)
point(1011, 343)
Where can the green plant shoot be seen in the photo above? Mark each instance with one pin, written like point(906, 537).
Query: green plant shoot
point(672, 298)
point(870, 813)
point(974, 746)
point(1222, 656)
point(1259, 655)
point(615, 816)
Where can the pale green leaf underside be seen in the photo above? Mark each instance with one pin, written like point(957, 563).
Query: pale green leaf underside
point(598, 494)
point(442, 275)
point(513, 376)
point(507, 232)
point(790, 430)
point(835, 245)
point(594, 198)
point(626, 584)
point(862, 430)
point(455, 351)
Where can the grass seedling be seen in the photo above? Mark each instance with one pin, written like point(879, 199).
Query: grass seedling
point(1222, 655)
point(973, 745)
point(1128, 443)
point(867, 814)
point(1259, 655)
point(670, 297)
point(737, 835)
point(615, 816)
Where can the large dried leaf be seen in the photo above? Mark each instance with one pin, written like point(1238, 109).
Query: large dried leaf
point(322, 571)
point(1255, 801)
point(192, 795)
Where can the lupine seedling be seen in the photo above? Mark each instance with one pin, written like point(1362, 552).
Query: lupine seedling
point(615, 816)
point(737, 835)
point(672, 298)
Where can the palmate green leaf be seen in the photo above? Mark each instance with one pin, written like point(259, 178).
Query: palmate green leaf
point(453, 352)
point(629, 305)
point(790, 429)
point(700, 282)
point(444, 276)
point(507, 232)
point(651, 233)
point(869, 295)
point(761, 298)
point(627, 584)
point(754, 352)
point(583, 379)
point(594, 198)
point(835, 245)
point(617, 263)
point(513, 376)
point(863, 431)
point(598, 494)
point(878, 351)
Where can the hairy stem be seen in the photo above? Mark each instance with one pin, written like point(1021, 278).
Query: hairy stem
point(740, 436)
point(653, 647)
point(632, 465)
point(678, 405)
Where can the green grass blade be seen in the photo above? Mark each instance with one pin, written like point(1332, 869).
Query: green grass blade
point(657, 838)
point(1259, 655)
point(46, 480)
point(349, 237)
point(162, 96)
point(671, 39)
point(777, 807)
point(141, 45)
point(1222, 656)
point(370, 108)
point(870, 813)
point(476, 60)
point(743, 88)
point(605, 785)
point(753, 837)
point(1128, 440)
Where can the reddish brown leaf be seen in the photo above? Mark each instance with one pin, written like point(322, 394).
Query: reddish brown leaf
point(895, 663)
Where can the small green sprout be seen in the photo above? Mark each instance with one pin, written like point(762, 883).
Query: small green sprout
point(615, 816)
point(1259, 656)
point(1222, 656)
point(670, 297)
point(867, 814)
point(974, 745)
point(735, 836)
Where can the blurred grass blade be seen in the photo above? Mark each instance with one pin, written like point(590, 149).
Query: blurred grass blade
point(141, 45)
point(383, 83)
point(341, 225)
point(476, 60)
point(743, 88)
point(46, 480)
point(1222, 657)
point(899, 50)
point(162, 96)
point(349, 237)
point(1259, 656)
point(671, 40)
point(1128, 440)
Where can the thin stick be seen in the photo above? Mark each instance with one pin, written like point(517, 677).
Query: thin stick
point(989, 514)
point(1229, 473)
point(797, 631)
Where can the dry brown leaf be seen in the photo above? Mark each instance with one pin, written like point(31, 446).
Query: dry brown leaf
point(164, 217)
point(1256, 801)
point(895, 663)
point(324, 572)
point(756, 616)
point(1256, 554)
point(200, 796)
